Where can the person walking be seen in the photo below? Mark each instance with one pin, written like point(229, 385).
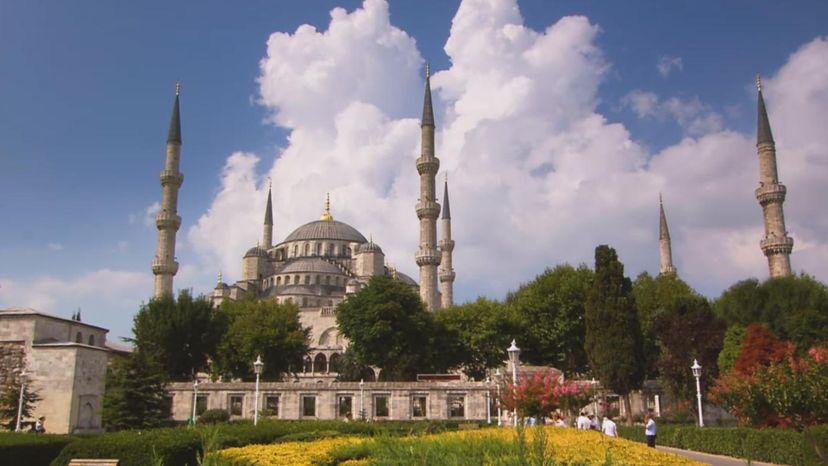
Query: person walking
point(582, 422)
point(650, 429)
point(40, 426)
point(608, 427)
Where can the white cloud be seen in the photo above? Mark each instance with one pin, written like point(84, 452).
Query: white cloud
point(55, 246)
point(146, 216)
point(666, 64)
point(538, 176)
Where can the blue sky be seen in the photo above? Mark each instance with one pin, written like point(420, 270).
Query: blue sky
point(87, 87)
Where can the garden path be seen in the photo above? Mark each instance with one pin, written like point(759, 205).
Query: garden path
point(714, 460)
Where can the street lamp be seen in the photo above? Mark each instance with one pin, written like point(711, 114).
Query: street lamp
point(195, 398)
point(362, 398)
point(488, 401)
point(257, 368)
point(498, 381)
point(23, 375)
point(593, 384)
point(697, 369)
point(514, 355)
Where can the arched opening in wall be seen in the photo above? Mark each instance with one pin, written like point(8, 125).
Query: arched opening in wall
point(278, 280)
point(328, 280)
point(367, 374)
point(307, 279)
point(78, 338)
point(336, 362)
point(304, 301)
point(287, 279)
point(86, 419)
point(328, 249)
point(295, 250)
point(308, 367)
point(347, 251)
point(320, 363)
point(296, 279)
point(91, 340)
point(317, 280)
point(307, 249)
point(318, 249)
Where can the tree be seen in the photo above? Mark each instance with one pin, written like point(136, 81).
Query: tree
point(541, 393)
point(10, 400)
point(795, 308)
point(261, 327)
point(613, 340)
point(179, 334)
point(135, 393)
point(731, 347)
point(551, 309)
point(687, 331)
point(479, 333)
point(759, 348)
point(388, 327)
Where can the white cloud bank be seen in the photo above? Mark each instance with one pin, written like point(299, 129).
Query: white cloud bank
point(538, 176)
point(666, 64)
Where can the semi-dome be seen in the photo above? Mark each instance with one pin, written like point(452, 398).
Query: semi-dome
point(326, 229)
point(255, 251)
point(310, 264)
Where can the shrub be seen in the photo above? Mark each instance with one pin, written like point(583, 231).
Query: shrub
point(31, 449)
point(214, 416)
point(815, 445)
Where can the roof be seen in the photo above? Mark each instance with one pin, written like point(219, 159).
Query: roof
point(428, 110)
point(255, 251)
point(27, 311)
point(763, 130)
point(406, 279)
point(326, 229)
point(310, 264)
point(174, 134)
point(446, 209)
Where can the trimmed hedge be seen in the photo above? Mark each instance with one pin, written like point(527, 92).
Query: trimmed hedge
point(214, 416)
point(180, 446)
point(816, 445)
point(27, 449)
point(770, 445)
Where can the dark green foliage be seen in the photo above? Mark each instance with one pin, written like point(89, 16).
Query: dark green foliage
point(794, 308)
point(26, 449)
point(10, 401)
point(687, 331)
point(816, 445)
point(551, 310)
point(613, 339)
point(389, 327)
point(480, 333)
point(352, 369)
point(134, 397)
point(731, 347)
point(264, 328)
point(179, 334)
point(769, 445)
point(214, 416)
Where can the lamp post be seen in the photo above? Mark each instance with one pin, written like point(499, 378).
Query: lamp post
point(593, 384)
point(257, 368)
point(23, 375)
point(498, 381)
point(514, 355)
point(362, 398)
point(697, 368)
point(195, 399)
point(488, 401)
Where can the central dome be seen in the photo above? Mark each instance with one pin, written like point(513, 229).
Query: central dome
point(326, 229)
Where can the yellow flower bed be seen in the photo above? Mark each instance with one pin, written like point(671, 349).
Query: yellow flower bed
point(288, 453)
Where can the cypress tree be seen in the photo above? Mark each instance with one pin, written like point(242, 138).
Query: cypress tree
point(613, 340)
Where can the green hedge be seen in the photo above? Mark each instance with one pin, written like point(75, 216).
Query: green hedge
point(770, 445)
point(180, 446)
point(816, 445)
point(28, 449)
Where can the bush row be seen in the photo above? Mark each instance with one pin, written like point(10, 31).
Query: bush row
point(27, 449)
point(181, 446)
point(816, 445)
point(770, 445)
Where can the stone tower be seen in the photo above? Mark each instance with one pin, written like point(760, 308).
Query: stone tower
point(267, 232)
point(776, 244)
point(427, 257)
point(665, 249)
point(164, 265)
point(446, 247)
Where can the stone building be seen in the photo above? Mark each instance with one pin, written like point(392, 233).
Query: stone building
point(65, 361)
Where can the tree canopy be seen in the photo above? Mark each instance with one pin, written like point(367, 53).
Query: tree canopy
point(135, 391)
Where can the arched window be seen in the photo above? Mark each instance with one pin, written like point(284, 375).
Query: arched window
point(307, 279)
point(337, 281)
point(347, 251)
point(278, 280)
point(304, 301)
point(328, 249)
point(328, 280)
point(308, 367)
point(296, 279)
point(287, 279)
point(317, 280)
point(78, 338)
point(307, 249)
point(91, 340)
point(295, 250)
point(335, 362)
point(320, 363)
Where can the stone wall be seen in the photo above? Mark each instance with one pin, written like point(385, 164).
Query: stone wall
point(12, 354)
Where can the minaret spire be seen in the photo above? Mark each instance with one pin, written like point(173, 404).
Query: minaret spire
point(267, 234)
point(427, 256)
point(164, 265)
point(665, 247)
point(776, 244)
point(447, 274)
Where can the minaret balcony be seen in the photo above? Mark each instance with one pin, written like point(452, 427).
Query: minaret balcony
point(427, 257)
point(771, 193)
point(171, 177)
point(428, 165)
point(776, 245)
point(161, 267)
point(428, 209)
point(447, 275)
point(167, 221)
point(447, 245)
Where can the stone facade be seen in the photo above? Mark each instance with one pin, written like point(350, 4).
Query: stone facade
point(66, 361)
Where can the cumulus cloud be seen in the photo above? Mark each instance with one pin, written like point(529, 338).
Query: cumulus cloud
point(666, 64)
point(538, 175)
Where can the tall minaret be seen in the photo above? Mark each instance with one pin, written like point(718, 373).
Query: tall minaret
point(446, 247)
point(664, 247)
point(427, 257)
point(776, 244)
point(267, 233)
point(164, 266)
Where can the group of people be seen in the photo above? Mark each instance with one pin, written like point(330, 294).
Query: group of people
point(588, 421)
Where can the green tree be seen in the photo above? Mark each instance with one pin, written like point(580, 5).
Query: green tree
point(388, 327)
point(10, 401)
point(180, 334)
point(731, 347)
point(135, 393)
point(551, 309)
point(688, 331)
point(261, 327)
point(613, 339)
point(481, 331)
point(794, 308)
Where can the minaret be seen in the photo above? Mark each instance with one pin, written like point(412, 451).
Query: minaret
point(446, 247)
point(427, 257)
point(664, 247)
point(267, 233)
point(776, 244)
point(164, 266)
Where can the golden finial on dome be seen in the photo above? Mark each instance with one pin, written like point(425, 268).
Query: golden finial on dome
point(326, 215)
point(177, 87)
point(758, 83)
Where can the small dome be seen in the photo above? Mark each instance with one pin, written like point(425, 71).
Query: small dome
point(255, 251)
point(310, 264)
point(326, 229)
point(406, 279)
point(370, 247)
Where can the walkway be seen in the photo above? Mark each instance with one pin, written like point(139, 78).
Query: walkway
point(707, 458)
